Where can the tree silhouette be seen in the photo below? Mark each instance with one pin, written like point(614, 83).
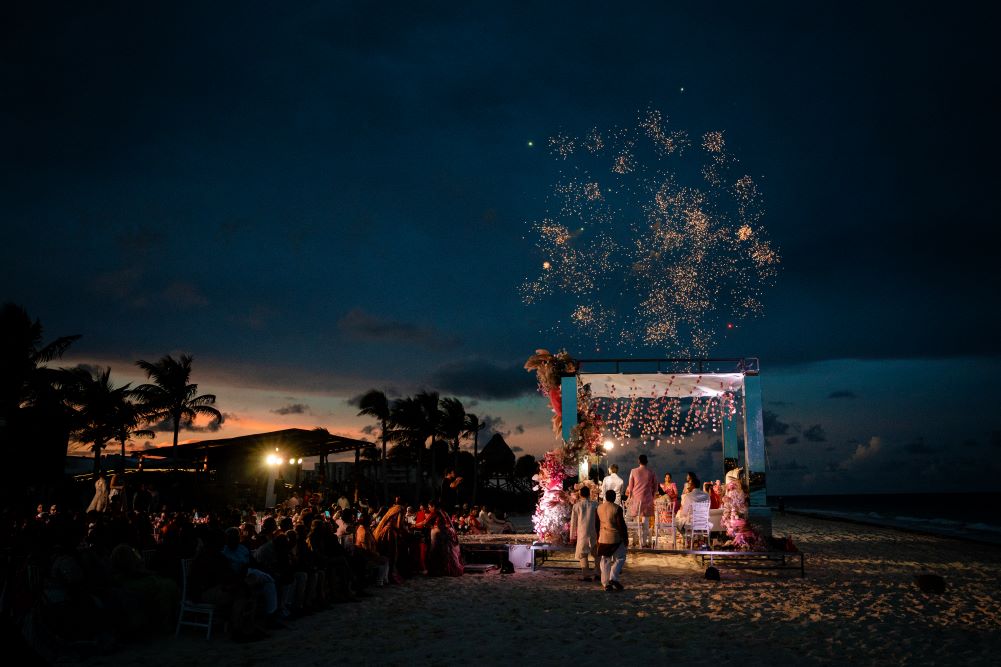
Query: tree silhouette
point(97, 404)
point(32, 401)
point(375, 404)
point(453, 425)
point(472, 430)
point(407, 429)
point(172, 396)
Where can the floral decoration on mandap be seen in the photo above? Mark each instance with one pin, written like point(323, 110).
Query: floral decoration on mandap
point(552, 514)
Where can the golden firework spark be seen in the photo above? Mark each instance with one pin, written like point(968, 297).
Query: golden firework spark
point(646, 243)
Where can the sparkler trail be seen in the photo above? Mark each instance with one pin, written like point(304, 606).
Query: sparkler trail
point(650, 238)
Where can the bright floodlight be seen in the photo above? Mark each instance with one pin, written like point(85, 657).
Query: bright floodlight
point(299, 461)
point(291, 461)
point(608, 445)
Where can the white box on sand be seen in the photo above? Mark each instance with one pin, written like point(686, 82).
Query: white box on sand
point(520, 556)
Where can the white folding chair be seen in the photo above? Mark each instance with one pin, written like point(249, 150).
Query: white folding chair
point(638, 528)
point(700, 523)
point(664, 522)
point(196, 609)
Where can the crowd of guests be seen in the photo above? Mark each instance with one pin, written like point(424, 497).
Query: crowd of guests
point(113, 572)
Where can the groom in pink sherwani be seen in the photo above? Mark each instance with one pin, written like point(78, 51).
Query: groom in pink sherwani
point(640, 494)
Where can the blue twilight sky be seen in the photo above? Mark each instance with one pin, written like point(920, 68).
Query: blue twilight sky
point(318, 198)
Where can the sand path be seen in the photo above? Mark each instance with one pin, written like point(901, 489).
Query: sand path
point(858, 604)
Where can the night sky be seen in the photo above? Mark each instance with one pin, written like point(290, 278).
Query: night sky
point(319, 199)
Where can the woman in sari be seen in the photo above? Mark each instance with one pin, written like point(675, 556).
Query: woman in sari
point(670, 489)
point(389, 536)
point(100, 501)
point(443, 557)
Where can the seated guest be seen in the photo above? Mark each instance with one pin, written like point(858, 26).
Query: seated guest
point(495, 524)
point(473, 524)
point(275, 558)
point(260, 582)
point(714, 499)
point(212, 579)
point(695, 495)
point(155, 596)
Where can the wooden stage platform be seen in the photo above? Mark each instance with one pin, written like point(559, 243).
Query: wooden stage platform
point(499, 547)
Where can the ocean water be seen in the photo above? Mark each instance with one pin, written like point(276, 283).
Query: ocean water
point(972, 516)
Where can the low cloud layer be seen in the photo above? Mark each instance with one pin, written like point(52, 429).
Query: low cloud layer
point(477, 378)
point(292, 409)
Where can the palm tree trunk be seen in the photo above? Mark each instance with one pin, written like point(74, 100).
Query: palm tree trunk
point(98, 446)
point(357, 471)
point(418, 481)
point(385, 481)
point(434, 466)
point(476, 462)
point(173, 450)
point(121, 464)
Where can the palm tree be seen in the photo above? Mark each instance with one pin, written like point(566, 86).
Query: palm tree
point(430, 423)
point(453, 424)
point(375, 404)
point(126, 420)
point(472, 429)
point(96, 402)
point(171, 395)
point(405, 420)
point(30, 398)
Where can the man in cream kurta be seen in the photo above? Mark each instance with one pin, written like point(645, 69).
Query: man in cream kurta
point(584, 529)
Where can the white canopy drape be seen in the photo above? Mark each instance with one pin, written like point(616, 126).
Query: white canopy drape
point(657, 385)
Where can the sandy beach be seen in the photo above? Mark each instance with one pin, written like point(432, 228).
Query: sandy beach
point(858, 604)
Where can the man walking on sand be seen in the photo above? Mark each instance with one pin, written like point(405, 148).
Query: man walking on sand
point(584, 530)
point(641, 491)
point(611, 541)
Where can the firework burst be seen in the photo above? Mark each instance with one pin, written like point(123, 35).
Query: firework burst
point(650, 239)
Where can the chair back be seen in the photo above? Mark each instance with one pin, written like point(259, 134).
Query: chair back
point(185, 566)
point(700, 515)
point(664, 511)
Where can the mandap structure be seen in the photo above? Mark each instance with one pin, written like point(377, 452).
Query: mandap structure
point(652, 402)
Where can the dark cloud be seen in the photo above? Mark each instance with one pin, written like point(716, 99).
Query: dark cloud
point(519, 429)
point(792, 465)
point(167, 426)
point(485, 380)
point(815, 434)
point(792, 440)
point(918, 446)
point(292, 409)
point(773, 425)
point(516, 449)
point(843, 393)
point(390, 392)
point(359, 325)
point(370, 429)
point(184, 295)
point(493, 425)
